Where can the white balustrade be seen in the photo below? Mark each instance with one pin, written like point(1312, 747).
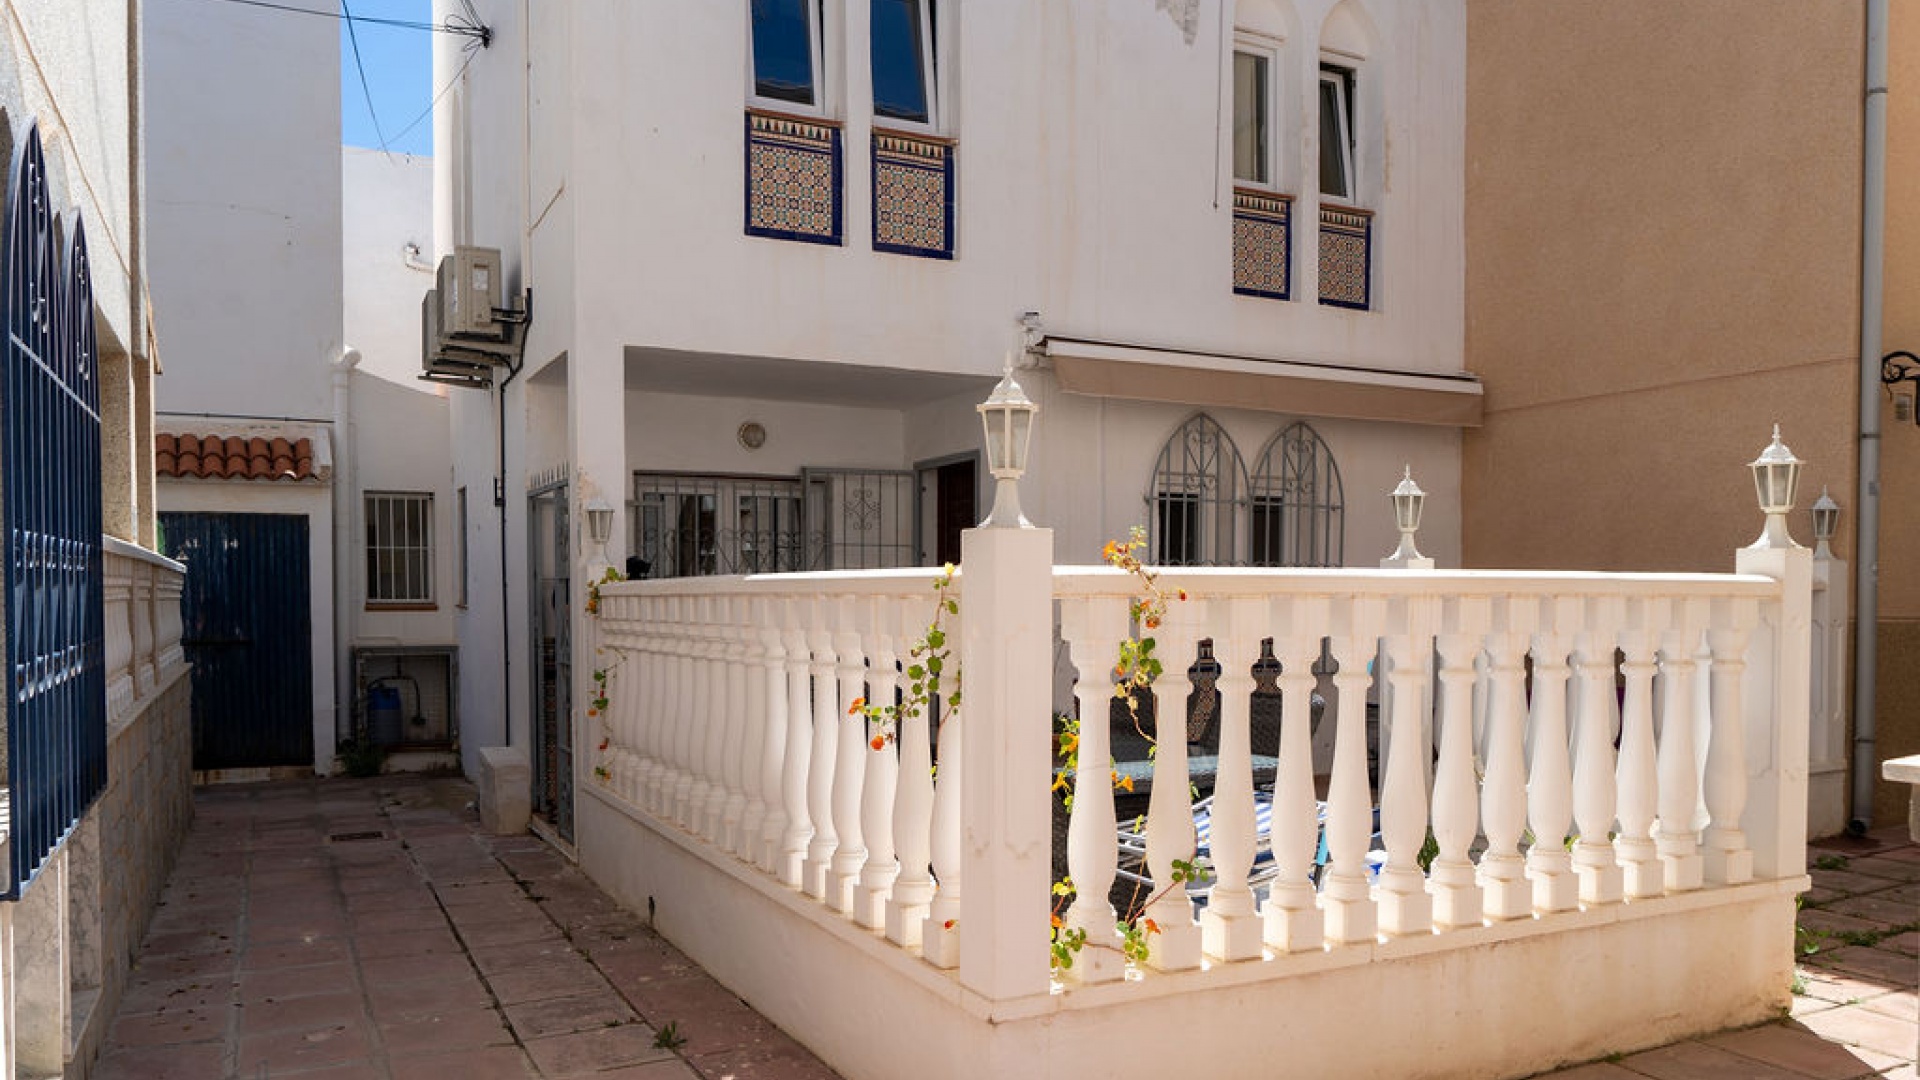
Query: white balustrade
point(730, 721)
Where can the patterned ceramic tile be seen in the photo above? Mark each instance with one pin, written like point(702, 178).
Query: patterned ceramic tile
point(1262, 245)
point(793, 179)
point(1346, 257)
point(912, 195)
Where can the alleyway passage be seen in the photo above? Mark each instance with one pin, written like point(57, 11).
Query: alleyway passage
point(368, 930)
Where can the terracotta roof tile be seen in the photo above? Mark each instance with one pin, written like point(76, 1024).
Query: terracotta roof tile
point(232, 457)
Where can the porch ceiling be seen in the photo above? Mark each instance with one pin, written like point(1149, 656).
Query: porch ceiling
point(676, 371)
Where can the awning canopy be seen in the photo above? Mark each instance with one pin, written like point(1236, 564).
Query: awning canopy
point(1299, 388)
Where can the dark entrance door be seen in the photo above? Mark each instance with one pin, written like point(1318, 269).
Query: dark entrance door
point(551, 606)
point(247, 632)
point(956, 509)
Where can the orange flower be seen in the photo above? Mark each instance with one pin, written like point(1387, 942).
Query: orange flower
point(1182, 594)
point(1153, 622)
point(879, 742)
point(1152, 927)
point(1122, 783)
point(858, 704)
point(1056, 922)
point(948, 925)
point(604, 742)
point(593, 712)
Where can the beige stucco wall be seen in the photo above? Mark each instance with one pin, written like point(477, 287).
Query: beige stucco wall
point(1662, 260)
point(1899, 681)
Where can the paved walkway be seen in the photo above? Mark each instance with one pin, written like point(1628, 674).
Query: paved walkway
point(367, 930)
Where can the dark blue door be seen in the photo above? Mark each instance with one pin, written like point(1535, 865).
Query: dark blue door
point(248, 634)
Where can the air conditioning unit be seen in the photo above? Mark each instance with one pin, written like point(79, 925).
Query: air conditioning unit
point(469, 360)
point(468, 282)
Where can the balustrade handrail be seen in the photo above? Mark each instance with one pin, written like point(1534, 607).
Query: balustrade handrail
point(112, 545)
point(1221, 582)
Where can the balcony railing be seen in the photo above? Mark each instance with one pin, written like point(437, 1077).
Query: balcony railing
point(1585, 751)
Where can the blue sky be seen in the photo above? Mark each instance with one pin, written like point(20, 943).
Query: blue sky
point(399, 67)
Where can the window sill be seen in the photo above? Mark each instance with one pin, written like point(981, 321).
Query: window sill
point(384, 605)
point(796, 117)
point(1343, 208)
point(921, 134)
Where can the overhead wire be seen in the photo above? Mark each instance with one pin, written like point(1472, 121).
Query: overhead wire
point(466, 24)
point(428, 111)
point(367, 91)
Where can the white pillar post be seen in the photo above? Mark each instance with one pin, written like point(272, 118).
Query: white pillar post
point(882, 765)
point(1345, 895)
point(769, 815)
point(1594, 723)
point(1636, 776)
point(1674, 833)
point(1504, 795)
point(1550, 773)
point(1231, 927)
point(789, 861)
point(1174, 943)
point(1775, 705)
point(825, 753)
point(1405, 907)
point(1006, 650)
point(850, 762)
point(908, 903)
point(1456, 807)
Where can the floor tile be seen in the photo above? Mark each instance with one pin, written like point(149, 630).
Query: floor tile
point(1794, 1047)
point(465, 1029)
point(1865, 1027)
point(565, 1015)
point(590, 1052)
point(1697, 1061)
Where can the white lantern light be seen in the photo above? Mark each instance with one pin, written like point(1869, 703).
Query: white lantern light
point(1826, 522)
point(599, 520)
point(1007, 416)
point(1408, 502)
point(1776, 473)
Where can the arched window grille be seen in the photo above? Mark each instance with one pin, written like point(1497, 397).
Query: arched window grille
point(1296, 508)
point(1194, 501)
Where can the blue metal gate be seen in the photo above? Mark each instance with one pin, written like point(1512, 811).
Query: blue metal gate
point(245, 626)
point(50, 506)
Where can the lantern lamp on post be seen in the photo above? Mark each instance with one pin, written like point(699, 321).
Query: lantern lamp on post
point(1826, 522)
point(1776, 473)
point(599, 525)
point(1007, 415)
point(1408, 502)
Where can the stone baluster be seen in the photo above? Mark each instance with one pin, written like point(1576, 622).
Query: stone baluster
point(1292, 914)
point(711, 797)
point(694, 699)
point(1550, 776)
point(940, 934)
point(771, 818)
point(1675, 836)
point(675, 730)
point(1456, 806)
point(850, 764)
point(1093, 630)
point(826, 746)
point(1635, 777)
point(118, 613)
point(1176, 946)
point(1729, 861)
point(1503, 798)
point(882, 765)
point(1405, 907)
point(1594, 724)
point(650, 613)
point(907, 904)
point(1345, 895)
point(1231, 927)
point(796, 769)
point(745, 726)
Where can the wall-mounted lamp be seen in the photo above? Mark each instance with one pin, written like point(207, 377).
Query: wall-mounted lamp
point(599, 522)
point(1776, 474)
point(1007, 415)
point(1901, 366)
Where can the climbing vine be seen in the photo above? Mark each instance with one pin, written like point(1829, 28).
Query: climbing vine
point(602, 678)
point(928, 661)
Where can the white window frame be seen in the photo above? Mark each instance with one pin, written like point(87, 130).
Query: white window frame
point(1267, 49)
point(378, 508)
point(816, 37)
point(929, 73)
point(1341, 77)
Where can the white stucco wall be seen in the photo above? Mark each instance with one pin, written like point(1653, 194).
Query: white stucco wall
point(243, 135)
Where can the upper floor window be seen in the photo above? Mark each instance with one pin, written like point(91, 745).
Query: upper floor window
point(1336, 132)
point(1253, 68)
point(902, 37)
point(786, 51)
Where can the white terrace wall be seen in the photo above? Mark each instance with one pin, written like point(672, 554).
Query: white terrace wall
point(737, 801)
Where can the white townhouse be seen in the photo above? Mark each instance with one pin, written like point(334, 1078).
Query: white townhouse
point(775, 251)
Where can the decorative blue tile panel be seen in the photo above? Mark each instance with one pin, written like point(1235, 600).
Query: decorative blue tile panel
point(793, 178)
point(912, 195)
point(1263, 244)
point(1346, 258)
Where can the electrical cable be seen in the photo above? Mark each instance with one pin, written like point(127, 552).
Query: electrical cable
point(467, 25)
point(428, 111)
point(365, 90)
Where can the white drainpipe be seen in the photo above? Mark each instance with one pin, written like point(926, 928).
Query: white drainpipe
point(346, 476)
point(1873, 206)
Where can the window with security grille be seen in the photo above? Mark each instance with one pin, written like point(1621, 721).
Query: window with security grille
point(399, 548)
